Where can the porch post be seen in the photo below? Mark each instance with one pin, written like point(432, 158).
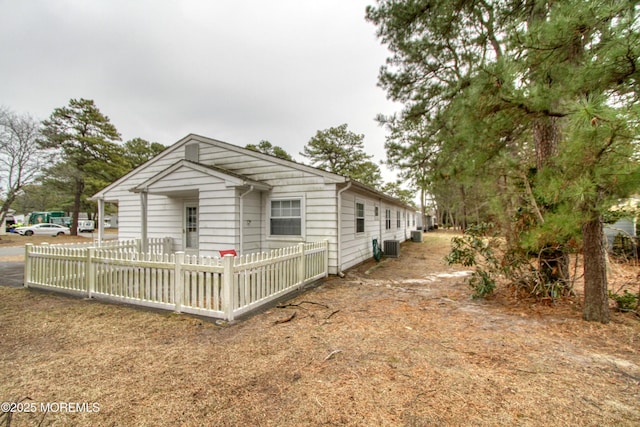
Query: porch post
point(100, 221)
point(143, 221)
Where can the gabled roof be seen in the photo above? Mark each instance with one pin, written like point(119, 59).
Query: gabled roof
point(232, 179)
point(329, 177)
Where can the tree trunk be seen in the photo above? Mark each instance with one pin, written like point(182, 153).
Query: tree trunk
point(553, 262)
point(546, 134)
point(422, 210)
point(77, 197)
point(596, 300)
point(463, 221)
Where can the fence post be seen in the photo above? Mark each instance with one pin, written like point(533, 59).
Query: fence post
point(178, 290)
point(301, 266)
point(90, 276)
point(27, 264)
point(228, 300)
point(326, 257)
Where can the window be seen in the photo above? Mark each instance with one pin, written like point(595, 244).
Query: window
point(387, 219)
point(398, 225)
point(286, 218)
point(359, 217)
point(376, 212)
point(191, 226)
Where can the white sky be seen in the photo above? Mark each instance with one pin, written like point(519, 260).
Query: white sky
point(236, 70)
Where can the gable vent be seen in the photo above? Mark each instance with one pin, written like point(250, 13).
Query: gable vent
point(192, 152)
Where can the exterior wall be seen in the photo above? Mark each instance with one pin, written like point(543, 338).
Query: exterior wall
point(319, 218)
point(318, 198)
point(358, 247)
point(129, 216)
point(218, 219)
point(162, 214)
point(252, 222)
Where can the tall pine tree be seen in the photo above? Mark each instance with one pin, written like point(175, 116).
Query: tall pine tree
point(86, 142)
point(536, 99)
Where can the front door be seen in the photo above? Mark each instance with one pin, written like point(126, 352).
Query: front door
point(191, 227)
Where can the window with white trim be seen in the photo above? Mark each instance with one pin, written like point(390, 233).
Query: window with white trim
point(359, 217)
point(286, 217)
point(387, 219)
point(398, 223)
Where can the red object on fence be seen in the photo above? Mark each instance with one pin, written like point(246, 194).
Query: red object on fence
point(228, 252)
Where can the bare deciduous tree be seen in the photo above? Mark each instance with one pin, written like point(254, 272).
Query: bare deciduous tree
point(20, 159)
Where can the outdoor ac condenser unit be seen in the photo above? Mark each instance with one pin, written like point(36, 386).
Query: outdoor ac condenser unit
point(416, 235)
point(392, 248)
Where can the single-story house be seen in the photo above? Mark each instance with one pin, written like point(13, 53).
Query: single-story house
point(208, 196)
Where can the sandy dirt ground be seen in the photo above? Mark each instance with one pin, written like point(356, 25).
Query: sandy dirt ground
point(396, 343)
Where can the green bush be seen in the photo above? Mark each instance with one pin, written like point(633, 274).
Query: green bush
point(476, 249)
point(628, 301)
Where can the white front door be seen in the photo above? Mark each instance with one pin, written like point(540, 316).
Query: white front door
point(190, 236)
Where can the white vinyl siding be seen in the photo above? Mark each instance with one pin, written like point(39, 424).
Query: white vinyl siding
point(358, 247)
point(252, 222)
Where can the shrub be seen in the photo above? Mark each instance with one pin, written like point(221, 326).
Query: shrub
point(626, 302)
point(476, 248)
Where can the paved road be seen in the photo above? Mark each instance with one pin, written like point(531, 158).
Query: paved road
point(11, 250)
point(12, 274)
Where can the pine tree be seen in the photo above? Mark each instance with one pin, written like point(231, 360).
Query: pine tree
point(535, 100)
point(341, 151)
point(266, 147)
point(85, 140)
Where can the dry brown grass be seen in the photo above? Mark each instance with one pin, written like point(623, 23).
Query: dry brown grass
point(396, 343)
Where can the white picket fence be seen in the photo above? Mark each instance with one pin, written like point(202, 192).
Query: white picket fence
point(216, 287)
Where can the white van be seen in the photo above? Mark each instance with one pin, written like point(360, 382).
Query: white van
point(86, 225)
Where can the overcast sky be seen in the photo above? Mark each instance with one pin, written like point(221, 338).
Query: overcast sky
point(236, 70)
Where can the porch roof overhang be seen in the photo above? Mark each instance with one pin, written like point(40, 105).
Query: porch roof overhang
point(231, 179)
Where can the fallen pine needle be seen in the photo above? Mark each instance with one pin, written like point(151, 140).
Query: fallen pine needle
point(333, 353)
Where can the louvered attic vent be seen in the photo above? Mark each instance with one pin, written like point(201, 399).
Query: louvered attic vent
point(192, 152)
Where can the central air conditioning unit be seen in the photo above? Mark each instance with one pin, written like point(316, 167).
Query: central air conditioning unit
point(416, 235)
point(392, 248)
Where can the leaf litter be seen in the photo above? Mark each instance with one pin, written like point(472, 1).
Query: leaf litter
point(399, 343)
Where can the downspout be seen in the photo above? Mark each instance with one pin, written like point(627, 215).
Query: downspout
point(143, 221)
point(241, 246)
point(380, 221)
point(339, 203)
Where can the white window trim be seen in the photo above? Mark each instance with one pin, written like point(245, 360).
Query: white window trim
point(364, 216)
point(290, 238)
point(387, 219)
